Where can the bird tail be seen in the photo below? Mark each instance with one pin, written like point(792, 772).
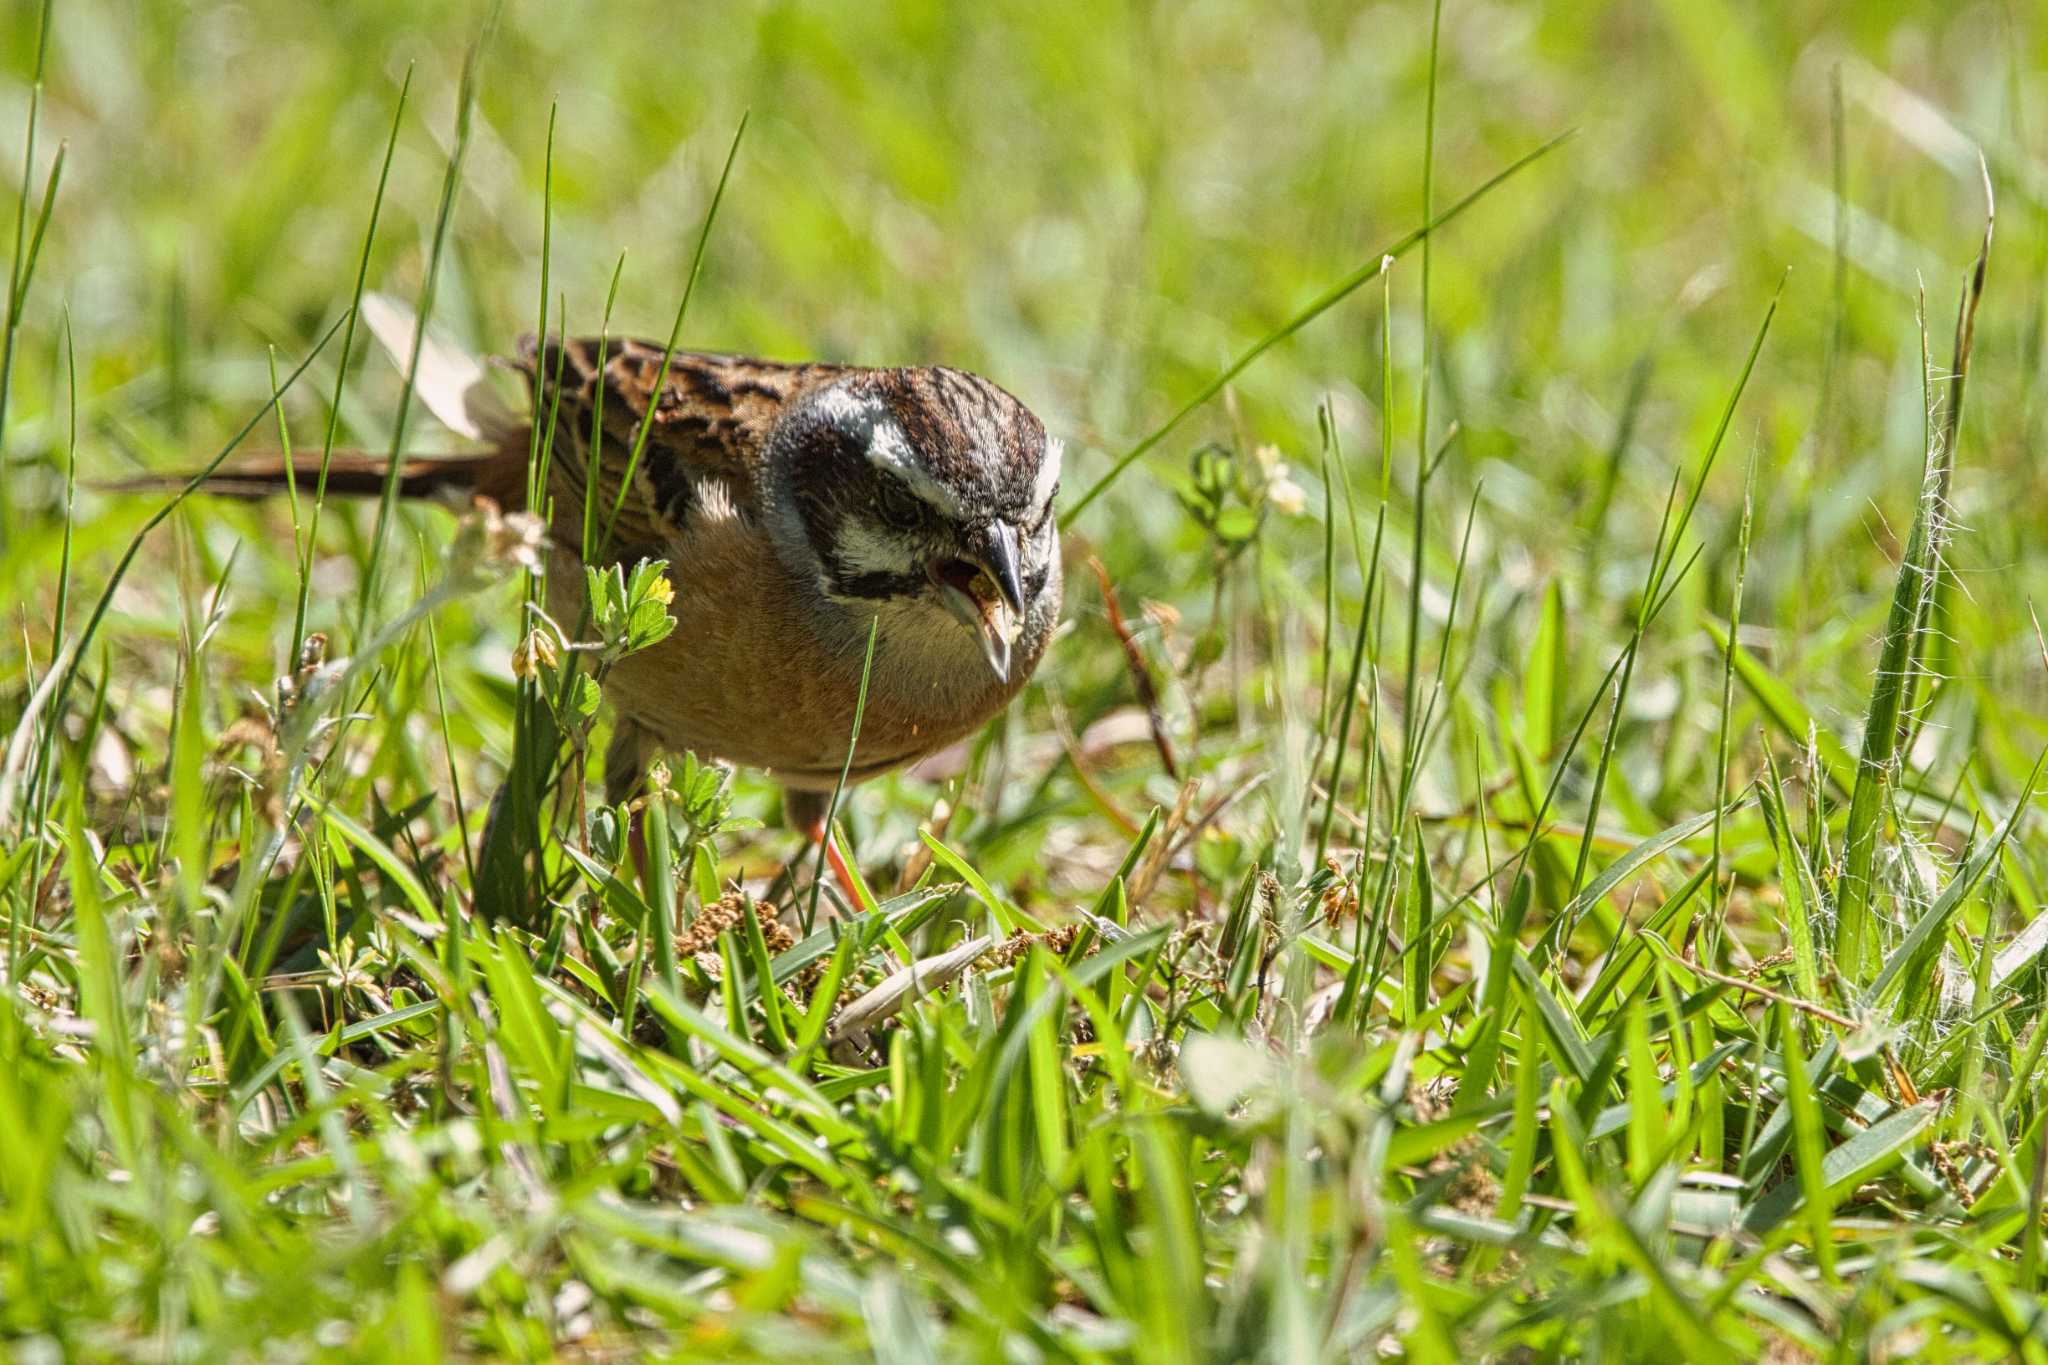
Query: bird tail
point(499, 475)
point(448, 381)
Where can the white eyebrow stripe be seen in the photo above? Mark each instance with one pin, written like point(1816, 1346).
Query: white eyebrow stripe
point(1048, 479)
point(840, 405)
point(889, 450)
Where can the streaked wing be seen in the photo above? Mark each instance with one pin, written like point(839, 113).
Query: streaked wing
point(711, 420)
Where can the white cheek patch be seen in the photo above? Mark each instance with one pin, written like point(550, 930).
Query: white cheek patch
point(862, 549)
point(1048, 480)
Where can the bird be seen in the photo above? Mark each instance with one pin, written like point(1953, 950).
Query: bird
point(799, 507)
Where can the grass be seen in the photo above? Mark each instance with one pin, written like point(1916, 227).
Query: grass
point(1563, 881)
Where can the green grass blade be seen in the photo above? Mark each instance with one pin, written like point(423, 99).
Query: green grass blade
point(1315, 308)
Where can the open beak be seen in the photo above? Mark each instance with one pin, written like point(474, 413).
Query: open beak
point(983, 590)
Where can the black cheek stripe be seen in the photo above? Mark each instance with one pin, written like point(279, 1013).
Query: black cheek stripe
point(874, 586)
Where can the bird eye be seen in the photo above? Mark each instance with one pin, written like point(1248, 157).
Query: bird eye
point(897, 504)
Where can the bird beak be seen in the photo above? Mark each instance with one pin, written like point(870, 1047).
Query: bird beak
point(983, 590)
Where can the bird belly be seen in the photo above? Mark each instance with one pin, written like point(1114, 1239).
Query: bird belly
point(749, 675)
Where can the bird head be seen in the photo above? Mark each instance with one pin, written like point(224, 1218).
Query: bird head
point(924, 497)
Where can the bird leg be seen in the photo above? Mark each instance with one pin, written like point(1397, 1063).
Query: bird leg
point(625, 768)
point(806, 811)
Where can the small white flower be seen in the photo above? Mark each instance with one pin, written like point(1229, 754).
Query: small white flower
point(1286, 495)
point(350, 971)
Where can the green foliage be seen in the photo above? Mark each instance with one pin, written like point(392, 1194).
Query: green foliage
point(1217, 498)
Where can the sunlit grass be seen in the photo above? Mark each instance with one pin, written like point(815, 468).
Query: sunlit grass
point(1528, 844)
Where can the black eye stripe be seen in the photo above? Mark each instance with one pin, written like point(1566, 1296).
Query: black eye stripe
point(898, 506)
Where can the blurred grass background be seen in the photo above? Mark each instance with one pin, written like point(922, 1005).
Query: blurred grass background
point(1099, 205)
